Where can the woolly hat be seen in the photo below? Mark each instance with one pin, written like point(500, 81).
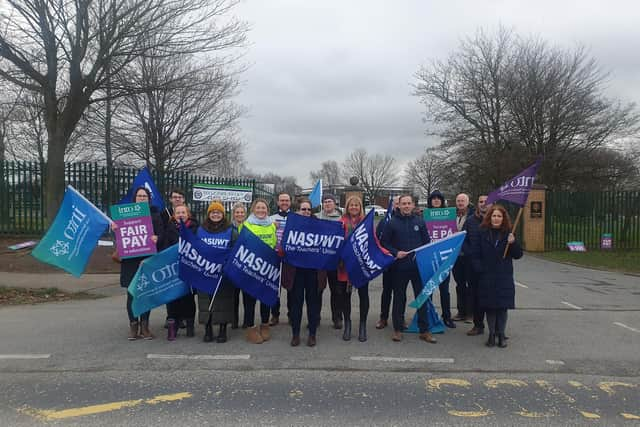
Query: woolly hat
point(329, 196)
point(215, 206)
point(436, 194)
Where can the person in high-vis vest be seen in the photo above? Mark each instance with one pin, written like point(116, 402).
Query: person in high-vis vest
point(264, 228)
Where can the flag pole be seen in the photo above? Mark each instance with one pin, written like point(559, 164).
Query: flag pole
point(515, 227)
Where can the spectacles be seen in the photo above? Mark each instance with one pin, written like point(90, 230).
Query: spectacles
point(305, 209)
point(177, 197)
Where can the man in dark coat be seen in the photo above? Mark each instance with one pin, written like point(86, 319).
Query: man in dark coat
point(472, 227)
point(403, 233)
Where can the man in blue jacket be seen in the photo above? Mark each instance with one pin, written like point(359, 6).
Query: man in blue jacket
point(403, 233)
point(472, 227)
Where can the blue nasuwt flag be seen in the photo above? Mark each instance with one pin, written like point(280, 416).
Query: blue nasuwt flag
point(435, 262)
point(316, 194)
point(200, 264)
point(73, 236)
point(144, 179)
point(363, 256)
point(254, 267)
point(310, 242)
point(157, 281)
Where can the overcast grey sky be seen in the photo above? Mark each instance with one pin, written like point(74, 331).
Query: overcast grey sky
point(330, 76)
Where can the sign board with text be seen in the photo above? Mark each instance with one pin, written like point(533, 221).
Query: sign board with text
point(133, 230)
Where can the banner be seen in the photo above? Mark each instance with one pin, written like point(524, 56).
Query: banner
point(316, 194)
point(73, 235)
point(254, 267)
point(516, 189)
point(363, 257)
point(134, 230)
point(436, 325)
point(435, 262)
point(222, 192)
point(441, 222)
point(156, 282)
point(312, 243)
point(144, 179)
point(200, 264)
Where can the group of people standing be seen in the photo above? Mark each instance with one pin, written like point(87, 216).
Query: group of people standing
point(484, 278)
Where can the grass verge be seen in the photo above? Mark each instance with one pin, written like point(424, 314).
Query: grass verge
point(19, 296)
point(627, 261)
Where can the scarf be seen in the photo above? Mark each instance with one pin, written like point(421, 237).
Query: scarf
point(257, 221)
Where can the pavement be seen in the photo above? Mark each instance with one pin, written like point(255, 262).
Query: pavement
point(573, 359)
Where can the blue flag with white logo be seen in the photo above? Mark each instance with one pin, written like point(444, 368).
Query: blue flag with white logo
point(316, 194)
point(144, 179)
point(200, 264)
point(363, 256)
point(435, 262)
point(254, 267)
point(310, 242)
point(157, 282)
point(74, 234)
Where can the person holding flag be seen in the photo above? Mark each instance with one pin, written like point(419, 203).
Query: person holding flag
point(216, 231)
point(387, 283)
point(496, 290)
point(183, 308)
point(402, 234)
point(260, 224)
point(472, 227)
point(239, 214)
point(353, 216)
point(139, 326)
point(280, 220)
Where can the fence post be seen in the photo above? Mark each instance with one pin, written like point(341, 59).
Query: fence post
point(534, 219)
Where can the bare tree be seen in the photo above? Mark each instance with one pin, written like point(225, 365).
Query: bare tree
point(426, 173)
point(329, 172)
point(375, 172)
point(503, 99)
point(68, 51)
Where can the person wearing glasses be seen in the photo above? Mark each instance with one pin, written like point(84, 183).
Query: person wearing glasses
point(139, 326)
point(330, 212)
point(303, 284)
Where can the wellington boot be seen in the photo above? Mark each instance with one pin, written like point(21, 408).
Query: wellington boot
point(133, 331)
point(144, 330)
point(253, 335)
point(346, 334)
point(222, 333)
point(265, 332)
point(208, 333)
point(362, 332)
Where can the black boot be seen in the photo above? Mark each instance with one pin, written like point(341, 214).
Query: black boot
point(502, 343)
point(222, 333)
point(491, 342)
point(208, 333)
point(190, 328)
point(362, 332)
point(346, 335)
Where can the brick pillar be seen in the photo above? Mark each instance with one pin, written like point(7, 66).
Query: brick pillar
point(353, 191)
point(533, 219)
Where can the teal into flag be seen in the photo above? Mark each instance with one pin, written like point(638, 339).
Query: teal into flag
point(316, 194)
point(74, 234)
point(157, 281)
point(435, 262)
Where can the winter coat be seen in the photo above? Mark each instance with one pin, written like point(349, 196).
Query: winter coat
point(172, 231)
point(496, 288)
point(404, 233)
point(129, 266)
point(472, 227)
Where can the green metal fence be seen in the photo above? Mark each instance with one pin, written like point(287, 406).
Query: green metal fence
point(586, 216)
point(22, 199)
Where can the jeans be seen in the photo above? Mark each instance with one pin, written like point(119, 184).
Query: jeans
point(445, 298)
point(400, 281)
point(249, 304)
point(305, 288)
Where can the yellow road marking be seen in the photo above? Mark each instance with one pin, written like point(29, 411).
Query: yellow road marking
point(529, 414)
point(50, 415)
point(434, 384)
point(630, 416)
point(496, 382)
point(469, 414)
point(589, 415)
point(554, 391)
point(608, 386)
point(578, 385)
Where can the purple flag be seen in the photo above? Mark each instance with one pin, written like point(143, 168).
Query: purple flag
point(516, 189)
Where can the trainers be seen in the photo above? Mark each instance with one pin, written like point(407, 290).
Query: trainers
point(426, 336)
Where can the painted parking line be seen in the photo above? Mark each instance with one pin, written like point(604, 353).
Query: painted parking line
point(24, 356)
point(521, 285)
point(622, 325)
point(568, 304)
point(51, 415)
point(200, 356)
point(554, 362)
point(402, 359)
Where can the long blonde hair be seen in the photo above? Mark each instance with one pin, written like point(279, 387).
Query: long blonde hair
point(353, 199)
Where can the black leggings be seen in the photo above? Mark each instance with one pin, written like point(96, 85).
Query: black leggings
point(249, 304)
point(144, 317)
point(363, 294)
point(497, 320)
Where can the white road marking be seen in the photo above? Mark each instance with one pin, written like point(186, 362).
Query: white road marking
point(24, 356)
point(626, 327)
point(554, 362)
point(402, 359)
point(200, 356)
point(568, 304)
point(521, 285)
